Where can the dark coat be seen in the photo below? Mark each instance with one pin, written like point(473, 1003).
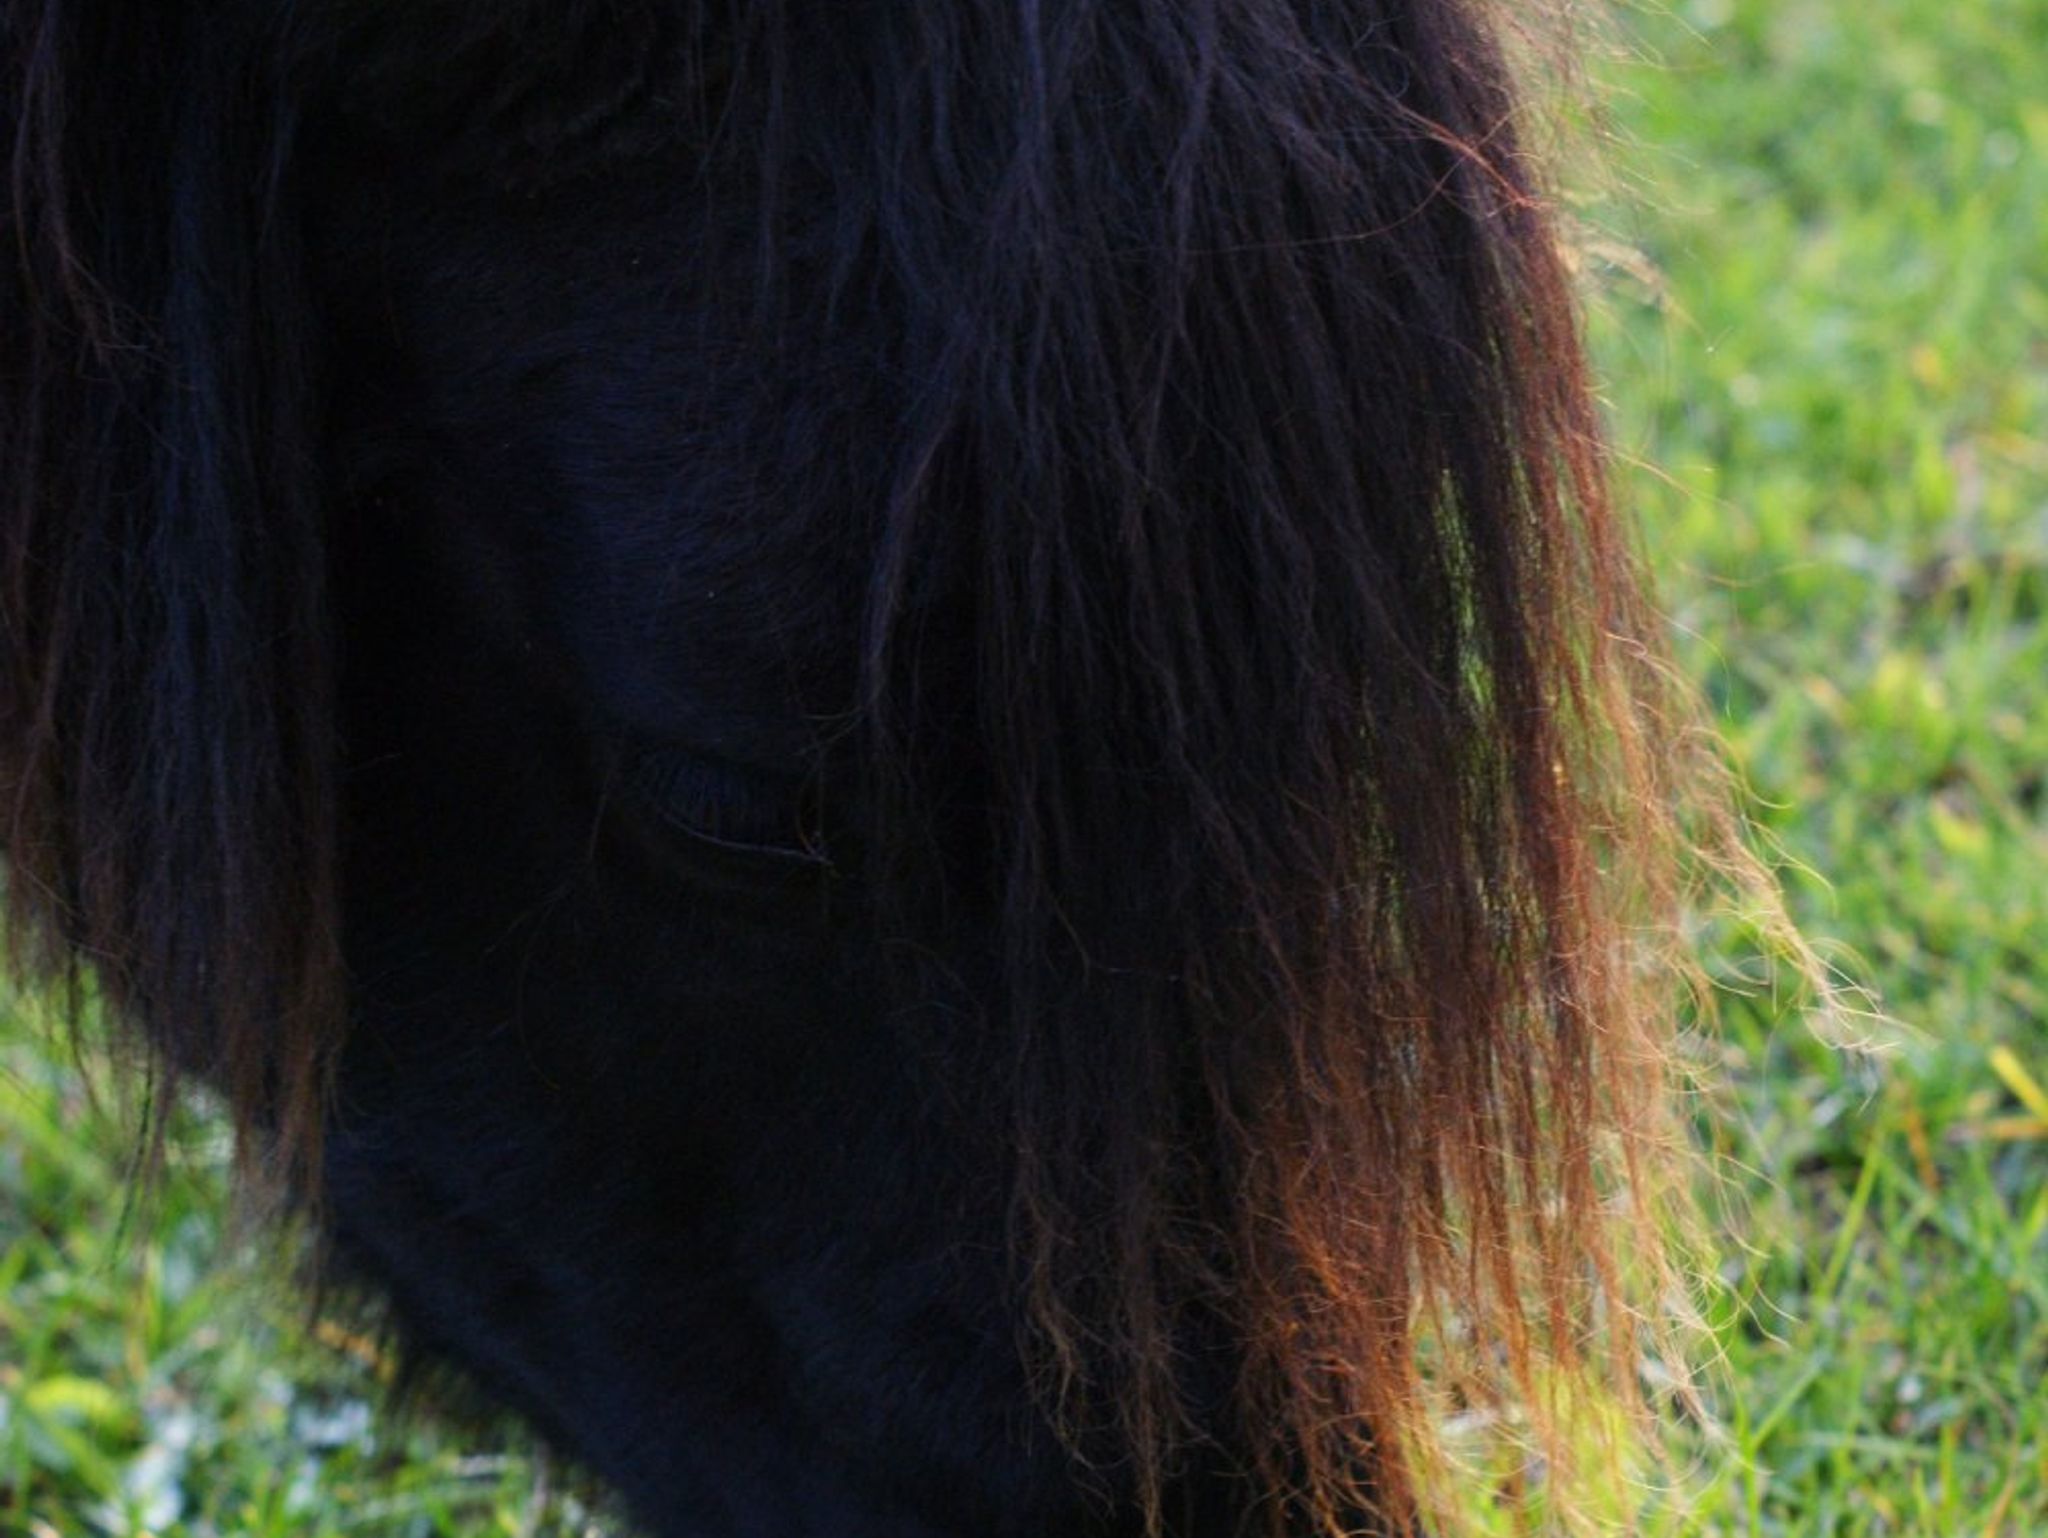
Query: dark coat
point(880, 738)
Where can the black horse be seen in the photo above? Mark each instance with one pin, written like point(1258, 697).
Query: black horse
point(899, 748)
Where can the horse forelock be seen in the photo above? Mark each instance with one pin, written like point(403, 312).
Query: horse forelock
point(1250, 669)
point(1309, 692)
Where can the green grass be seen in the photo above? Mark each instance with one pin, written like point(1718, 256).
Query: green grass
point(158, 1378)
point(1823, 318)
point(1820, 279)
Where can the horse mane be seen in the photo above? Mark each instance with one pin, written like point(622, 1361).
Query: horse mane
point(1251, 648)
point(166, 760)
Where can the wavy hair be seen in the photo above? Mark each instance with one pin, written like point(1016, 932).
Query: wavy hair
point(1311, 769)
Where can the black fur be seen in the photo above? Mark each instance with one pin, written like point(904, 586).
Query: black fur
point(843, 720)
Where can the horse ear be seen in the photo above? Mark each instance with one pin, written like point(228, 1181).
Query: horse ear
point(165, 780)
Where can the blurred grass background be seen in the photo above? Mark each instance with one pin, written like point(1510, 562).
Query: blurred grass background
point(1823, 324)
point(1819, 274)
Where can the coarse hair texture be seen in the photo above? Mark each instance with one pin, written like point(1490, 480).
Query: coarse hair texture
point(1331, 799)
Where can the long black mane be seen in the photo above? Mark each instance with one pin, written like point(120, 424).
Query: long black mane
point(1243, 655)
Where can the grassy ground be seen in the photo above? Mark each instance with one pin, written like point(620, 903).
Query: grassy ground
point(1822, 309)
point(1828, 325)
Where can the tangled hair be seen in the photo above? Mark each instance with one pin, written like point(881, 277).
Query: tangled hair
point(1310, 768)
point(166, 753)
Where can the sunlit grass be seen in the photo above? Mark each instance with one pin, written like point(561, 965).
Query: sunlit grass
point(1824, 331)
